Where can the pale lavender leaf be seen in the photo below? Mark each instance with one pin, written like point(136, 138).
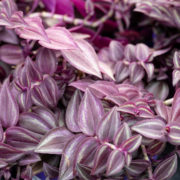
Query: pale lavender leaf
point(116, 51)
point(132, 144)
point(166, 169)
point(115, 163)
point(8, 36)
point(145, 112)
point(84, 58)
point(100, 159)
point(21, 138)
point(72, 112)
point(108, 126)
point(46, 61)
point(122, 134)
point(11, 54)
point(68, 157)
point(9, 108)
point(59, 38)
point(90, 113)
point(54, 141)
point(150, 128)
point(117, 99)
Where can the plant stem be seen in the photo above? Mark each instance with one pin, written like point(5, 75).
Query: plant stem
point(147, 158)
point(77, 21)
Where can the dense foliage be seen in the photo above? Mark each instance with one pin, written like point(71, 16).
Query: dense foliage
point(89, 89)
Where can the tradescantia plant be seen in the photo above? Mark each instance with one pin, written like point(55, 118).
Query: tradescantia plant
point(89, 90)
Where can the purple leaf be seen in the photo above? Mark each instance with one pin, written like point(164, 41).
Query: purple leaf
point(46, 61)
point(9, 153)
point(150, 128)
point(137, 167)
point(115, 163)
point(122, 134)
point(104, 88)
point(100, 159)
point(68, 157)
point(54, 141)
point(83, 172)
point(1, 134)
point(132, 144)
point(90, 113)
point(175, 113)
point(149, 68)
point(176, 76)
point(45, 94)
point(59, 38)
point(72, 112)
point(84, 58)
point(121, 71)
point(166, 169)
point(50, 171)
point(11, 54)
point(9, 108)
point(21, 138)
point(156, 147)
point(36, 123)
point(173, 134)
point(127, 107)
point(136, 72)
point(29, 159)
point(163, 110)
point(108, 126)
point(86, 152)
point(145, 112)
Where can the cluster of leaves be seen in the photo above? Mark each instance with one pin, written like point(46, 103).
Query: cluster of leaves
point(89, 89)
